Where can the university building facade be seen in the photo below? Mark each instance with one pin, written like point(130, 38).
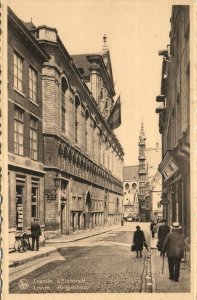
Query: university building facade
point(65, 163)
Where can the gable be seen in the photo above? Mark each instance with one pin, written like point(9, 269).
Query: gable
point(107, 63)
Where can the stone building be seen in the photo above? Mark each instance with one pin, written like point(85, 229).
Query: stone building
point(25, 140)
point(83, 158)
point(130, 191)
point(156, 211)
point(154, 182)
point(174, 120)
point(144, 208)
point(149, 159)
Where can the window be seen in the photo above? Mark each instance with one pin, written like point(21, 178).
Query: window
point(19, 207)
point(64, 88)
point(87, 133)
point(77, 103)
point(18, 131)
point(32, 84)
point(127, 186)
point(134, 186)
point(18, 70)
point(33, 138)
point(34, 201)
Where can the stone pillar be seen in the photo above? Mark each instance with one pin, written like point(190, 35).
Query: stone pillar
point(12, 208)
point(27, 204)
point(41, 201)
point(94, 78)
point(12, 201)
point(76, 220)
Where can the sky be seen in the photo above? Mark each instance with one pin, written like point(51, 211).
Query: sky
point(136, 30)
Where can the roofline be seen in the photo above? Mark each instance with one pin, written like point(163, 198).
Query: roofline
point(100, 57)
point(131, 166)
point(72, 64)
point(24, 29)
point(45, 26)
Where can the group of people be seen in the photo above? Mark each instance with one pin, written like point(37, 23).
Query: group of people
point(171, 242)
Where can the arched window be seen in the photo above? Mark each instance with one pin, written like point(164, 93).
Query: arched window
point(94, 140)
point(87, 133)
point(134, 186)
point(77, 104)
point(127, 186)
point(64, 88)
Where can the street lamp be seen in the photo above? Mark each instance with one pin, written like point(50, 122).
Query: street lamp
point(57, 180)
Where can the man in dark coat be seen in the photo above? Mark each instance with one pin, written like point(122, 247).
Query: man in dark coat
point(35, 232)
point(174, 246)
point(163, 230)
point(139, 240)
point(153, 228)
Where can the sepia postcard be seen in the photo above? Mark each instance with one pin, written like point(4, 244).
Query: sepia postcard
point(98, 149)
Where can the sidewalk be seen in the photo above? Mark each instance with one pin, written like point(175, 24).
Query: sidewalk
point(16, 258)
point(161, 282)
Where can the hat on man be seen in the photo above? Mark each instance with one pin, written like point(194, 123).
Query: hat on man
point(176, 225)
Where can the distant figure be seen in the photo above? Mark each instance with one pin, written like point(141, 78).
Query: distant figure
point(163, 230)
point(35, 232)
point(158, 219)
point(174, 246)
point(158, 225)
point(139, 240)
point(153, 228)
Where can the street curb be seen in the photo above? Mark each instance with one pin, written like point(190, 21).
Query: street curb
point(25, 260)
point(76, 239)
point(153, 275)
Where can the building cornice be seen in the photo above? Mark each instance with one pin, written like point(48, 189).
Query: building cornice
point(28, 38)
point(85, 88)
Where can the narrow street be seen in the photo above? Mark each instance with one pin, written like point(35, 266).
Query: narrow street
point(102, 263)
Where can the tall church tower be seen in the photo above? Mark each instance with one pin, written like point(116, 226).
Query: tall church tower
point(142, 171)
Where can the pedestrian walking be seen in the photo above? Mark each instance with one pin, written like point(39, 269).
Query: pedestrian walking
point(153, 229)
point(138, 240)
point(163, 230)
point(174, 246)
point(35, 232)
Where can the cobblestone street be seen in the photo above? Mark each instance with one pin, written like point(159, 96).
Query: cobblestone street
point(106, 266)
point(98, 264)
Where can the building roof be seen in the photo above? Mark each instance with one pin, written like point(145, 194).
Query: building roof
point(29, 25)
point(130, 173)
point(83, 64)
point(23, 30)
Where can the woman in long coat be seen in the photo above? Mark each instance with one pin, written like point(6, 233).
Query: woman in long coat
point(139, 240)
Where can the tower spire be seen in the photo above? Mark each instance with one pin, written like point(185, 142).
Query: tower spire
point(142, 171)
point(142, 133)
